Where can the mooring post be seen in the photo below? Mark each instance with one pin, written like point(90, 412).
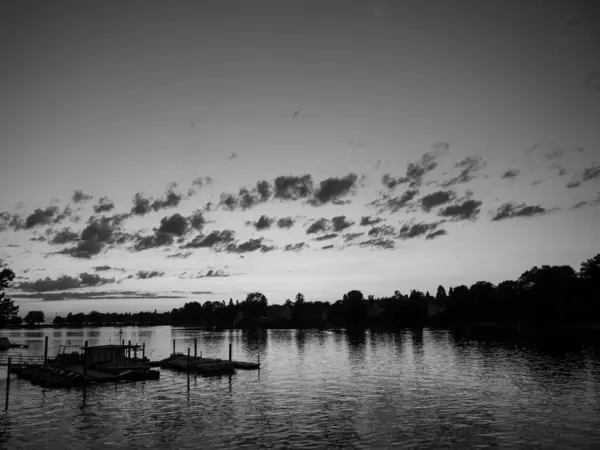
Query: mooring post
point(143, 351)
point(259, 360)
point(135, 350)
point(173, 346)
point(129, 349)
point(195, 348)
point(85, 358)
point(46, 351)
point(230, 352)
point(7, 383)
point(189, 364)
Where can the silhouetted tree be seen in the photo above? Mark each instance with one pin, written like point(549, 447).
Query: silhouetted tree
point(8, 311)
point(34, 317)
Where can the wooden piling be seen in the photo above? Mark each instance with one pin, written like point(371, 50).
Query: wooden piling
point(129, 349)
point(46, 350)
point(258, 360)
point(85, 356)
point(143, 351)
point(7, 384)
point(189, 365)
point(195, 348)
point(173, 346)
point(230, 352)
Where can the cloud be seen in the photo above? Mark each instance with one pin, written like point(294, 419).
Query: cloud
point(382, 231)
point(367, 220)
point(412, 230)
point(292, 187)
point(327, 247)
point(511, 210)
point(250, 245)
point(351, 236)
point(80, 196)
point(295, 247)
point(333, 189)
point(141, 205)
point(171, 199)
point(438, 198)
point(104, 205)
point(468, 167)
point(65, 282)
point(394, 204)
point(589, 173)
point(64, 236)
point(436, 234)
point(105, 268)
point(98, 295)
point(196, 220)
point(467, 210)
point(215, 239)
point(94, 237)
point(46, 216)
point(264, 190)
point(318, 226)
point(263, 223)
point(147, 274)
point(510, 173)
point(201, 181)
point(341, 223)
point(285, 222)
point(212, 273)
point(153, 241)
point(386, 244)
point(180, 255)
point(415, 171)
point(176, 225)
point(326, 237)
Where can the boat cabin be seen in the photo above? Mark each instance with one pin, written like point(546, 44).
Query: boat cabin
point(108, 354)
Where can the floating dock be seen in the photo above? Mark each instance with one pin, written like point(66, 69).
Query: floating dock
point(203, 366)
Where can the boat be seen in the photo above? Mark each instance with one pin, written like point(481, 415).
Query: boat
point(5, 344)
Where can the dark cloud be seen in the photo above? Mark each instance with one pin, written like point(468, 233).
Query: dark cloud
point(141, 205)
point(104, 205)
point(326, 237)
point(409, 231)
point(467, 210)
point(153, 241)
point(295, 247)
point(105, 268)
point(201, 181)
point(264, 190)
point(367, 220)
point(46, 216)
point(536, 182)
point(263, 223)
point(333, 189)
point(510, 173)
point(436, 234)
point(351, 236)
point(171, 199)
point(573, 184)
point(215, 239)
point(80, 196)
point(438, 198)
point(246, 198)
point(64, 236)
point(40, 239)
point(176, 225)
point(468, 167)
point(212, 273)
point(327, 247)
point(394, 204)
point(292, 187)
point(250, 245)
point(180, 255)
point(382, 231)
point(285, 222)
point(318, 226)
point(196, 220)
point(146, 274)
point(386, 244)
point(99, 233)
point(341, 223)
point(65, 282)
point(415, 171)
point(511, 210)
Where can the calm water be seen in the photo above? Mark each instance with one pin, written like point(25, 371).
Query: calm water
point(325, 389)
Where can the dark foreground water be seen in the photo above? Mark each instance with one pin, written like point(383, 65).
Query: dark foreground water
point(318, 389)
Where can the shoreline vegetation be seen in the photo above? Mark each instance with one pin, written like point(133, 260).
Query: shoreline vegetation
point(547, 301)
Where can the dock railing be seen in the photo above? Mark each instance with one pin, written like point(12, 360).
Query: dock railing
point(21, 359)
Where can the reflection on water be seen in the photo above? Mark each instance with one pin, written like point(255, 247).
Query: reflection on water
point(318, 389)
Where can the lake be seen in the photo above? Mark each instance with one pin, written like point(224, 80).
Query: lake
point(317, 389)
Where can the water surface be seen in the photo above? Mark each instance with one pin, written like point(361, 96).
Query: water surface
point(317, 389)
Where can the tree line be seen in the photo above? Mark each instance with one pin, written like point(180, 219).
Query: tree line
point(541, 296)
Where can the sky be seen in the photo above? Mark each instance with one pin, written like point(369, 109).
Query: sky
point(154, 153)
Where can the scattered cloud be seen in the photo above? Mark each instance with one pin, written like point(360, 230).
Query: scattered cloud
point(98, 295)
point(147, 274)
point(382, 231)
point(512, 210)
point(436, 234)
point(64, 282)
point(175, 225)
point(171, 199)
point(141, 205)
point(468, 167)
point(285, 222)
point(327, 247)
point(511, 173)
point(318, 226)
point(215, 240)
point(46, 216)
point(415, 171)
point(333, 189)
point(196, 220)
point(466, 210)
point(295, 247)
point(381, 243)
point(152, 241)
point(352, 236)
point(106, 268)
point(395, 203)
point(589, 173)
point(341, 223)
point(64, 236)
point(326, 237)
point(412, 230)
point(201, 181)
point(79, 196)
point(180, 255)
point(292, 187)
point(367, 221)
point(99, 233)
point(263, 223)
point(434, 199)
point(212, 273)
point(250, 245)
point(104, 205)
